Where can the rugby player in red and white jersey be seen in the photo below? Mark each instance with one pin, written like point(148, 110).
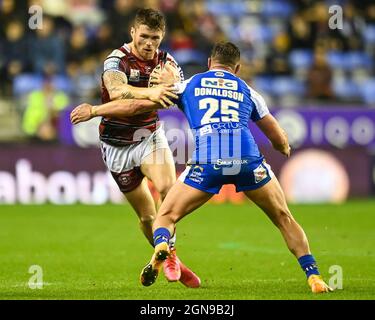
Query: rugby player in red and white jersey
point(133, 142)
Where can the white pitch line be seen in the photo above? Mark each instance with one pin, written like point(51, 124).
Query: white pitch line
point(36, 284)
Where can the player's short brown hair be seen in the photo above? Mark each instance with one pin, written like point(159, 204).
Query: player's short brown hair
point(226, 53)
point(151, 18)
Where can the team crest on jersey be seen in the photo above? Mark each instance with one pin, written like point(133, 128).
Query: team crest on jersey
point(260, 173)
point(219, 83)
point(135, 75)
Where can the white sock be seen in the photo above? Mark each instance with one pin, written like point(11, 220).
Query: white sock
point(172, 241)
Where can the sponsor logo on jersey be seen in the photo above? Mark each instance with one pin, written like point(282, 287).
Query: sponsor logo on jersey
point(196, 174)
point(229, 163)
point(219, 83)
point(219, 74)
point(205, 130)
point(260, 173)
point(135, 75)
point(112, 64)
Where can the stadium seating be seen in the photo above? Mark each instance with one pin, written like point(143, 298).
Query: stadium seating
point(187, 56)
point(367, 91)
point(301, 59)
point(369, 34)
point(288, 86)
point(263, 83)
point(346, 89)
point(274, 8)
point(25, 83)
point(254, 25)
point(356, 60)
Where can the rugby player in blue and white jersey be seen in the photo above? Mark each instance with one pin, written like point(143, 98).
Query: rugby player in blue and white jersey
point(218, 106)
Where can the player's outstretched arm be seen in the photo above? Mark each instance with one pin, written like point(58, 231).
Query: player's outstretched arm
point(278, 137)
point(117, 108)
point(118, 88)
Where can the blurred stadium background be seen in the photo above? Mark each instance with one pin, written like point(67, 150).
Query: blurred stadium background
point(318, 82)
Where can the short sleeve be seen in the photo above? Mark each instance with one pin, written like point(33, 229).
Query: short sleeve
point(260, 109)
point(181, 86)
point(114, 61)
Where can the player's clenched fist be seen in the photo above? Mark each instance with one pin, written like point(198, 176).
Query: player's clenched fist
point(81, 113)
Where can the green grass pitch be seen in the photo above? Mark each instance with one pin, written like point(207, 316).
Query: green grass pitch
point(97, 252)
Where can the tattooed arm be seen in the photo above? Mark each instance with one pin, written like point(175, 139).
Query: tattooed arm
point(118, 88)
point(116, 108)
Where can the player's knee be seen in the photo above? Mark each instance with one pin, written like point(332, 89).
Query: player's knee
point(164, 187)
point(284, 218)
point(147, 220)
point(170, 215)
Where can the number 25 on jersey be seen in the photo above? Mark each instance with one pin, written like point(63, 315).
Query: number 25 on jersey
point(228, 110)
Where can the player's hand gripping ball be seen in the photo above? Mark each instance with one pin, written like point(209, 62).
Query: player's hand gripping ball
point(166, 74)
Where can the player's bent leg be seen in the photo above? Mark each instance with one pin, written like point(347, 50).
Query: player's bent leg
point(143, 204)
point(180, 201)
point(197, 198)
point(159, 167)
point(270, 198)
point(172, 211)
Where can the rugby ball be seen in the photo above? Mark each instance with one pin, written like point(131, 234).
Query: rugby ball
point(162, 66)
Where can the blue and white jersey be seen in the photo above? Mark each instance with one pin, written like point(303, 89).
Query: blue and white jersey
point(218, 106)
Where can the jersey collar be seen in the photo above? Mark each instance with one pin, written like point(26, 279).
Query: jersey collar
point(221, 70)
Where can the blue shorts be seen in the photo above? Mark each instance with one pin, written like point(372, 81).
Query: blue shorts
point(245, 174)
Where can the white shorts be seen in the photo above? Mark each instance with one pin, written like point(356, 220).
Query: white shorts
point(124, 162)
